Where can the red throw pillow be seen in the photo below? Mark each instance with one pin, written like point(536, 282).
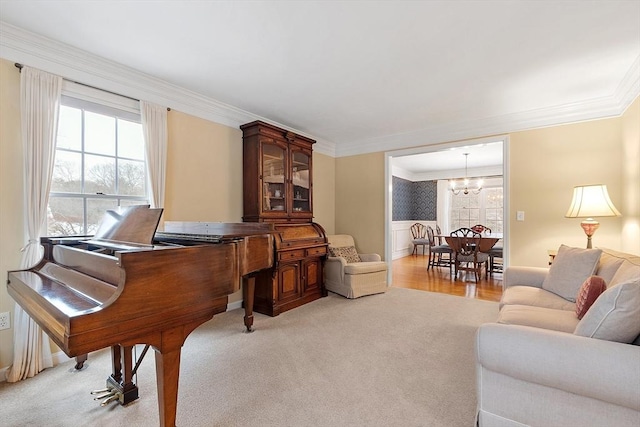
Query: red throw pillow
point(588, 293)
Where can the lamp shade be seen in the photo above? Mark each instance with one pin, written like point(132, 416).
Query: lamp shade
point(591, 201)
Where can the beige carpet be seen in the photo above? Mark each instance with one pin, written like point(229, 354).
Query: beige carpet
point(404, 358)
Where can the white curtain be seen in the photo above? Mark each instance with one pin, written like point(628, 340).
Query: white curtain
point(154, 128)
point(444, 203)
point(40, 104)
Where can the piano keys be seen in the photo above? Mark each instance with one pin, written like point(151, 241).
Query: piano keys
point(119, 288)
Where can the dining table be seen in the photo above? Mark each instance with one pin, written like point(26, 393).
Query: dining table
point(487, 240)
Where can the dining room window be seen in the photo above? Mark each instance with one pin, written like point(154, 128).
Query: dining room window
point(485, 208)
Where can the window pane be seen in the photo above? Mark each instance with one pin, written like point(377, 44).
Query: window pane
point(65, 216)
point(131, 178)
point(130, 140)
point(133, 202)
point(69, 128)
point(96, 209)
point(99, 134)
point(67, 172)
point(99, 175)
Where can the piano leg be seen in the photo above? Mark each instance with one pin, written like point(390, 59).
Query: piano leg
point(80, 359)
point(168, 372)
point(248, 293)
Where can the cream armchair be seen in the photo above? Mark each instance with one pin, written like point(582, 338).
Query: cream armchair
point(351, 274)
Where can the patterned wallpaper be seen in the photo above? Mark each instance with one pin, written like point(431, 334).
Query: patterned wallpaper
point(414, 201)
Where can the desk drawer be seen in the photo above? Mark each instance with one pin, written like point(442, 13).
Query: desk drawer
point(289, 255)
point(322, 250)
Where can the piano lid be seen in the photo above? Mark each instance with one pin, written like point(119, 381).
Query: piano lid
point(135, 225)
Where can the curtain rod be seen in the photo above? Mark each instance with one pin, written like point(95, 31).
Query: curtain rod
point(19, 67)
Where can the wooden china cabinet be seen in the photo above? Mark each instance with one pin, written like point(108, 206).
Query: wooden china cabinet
point(278, 188)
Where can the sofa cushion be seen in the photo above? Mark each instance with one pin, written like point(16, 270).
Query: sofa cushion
point(365, 267)
point(538, 317)
point(609, 263)
point(615, 315)
point(530, 295)
point(588, 293)
point(626, 272)
point(569, 270)
point(349, 253)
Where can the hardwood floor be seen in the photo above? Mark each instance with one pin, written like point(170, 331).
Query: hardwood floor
point(411, 272)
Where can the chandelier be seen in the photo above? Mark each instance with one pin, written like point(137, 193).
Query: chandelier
point(465, 186)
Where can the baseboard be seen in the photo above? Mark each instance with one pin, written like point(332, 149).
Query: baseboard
point(59, 358)
point(234, 305)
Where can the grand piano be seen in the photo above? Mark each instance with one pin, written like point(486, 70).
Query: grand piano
point(129, 285)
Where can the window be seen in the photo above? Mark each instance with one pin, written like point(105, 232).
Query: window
point(99, 165)
point(485, 208)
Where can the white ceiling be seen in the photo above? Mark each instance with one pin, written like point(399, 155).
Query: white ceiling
point(482, 157)
point(369, 76)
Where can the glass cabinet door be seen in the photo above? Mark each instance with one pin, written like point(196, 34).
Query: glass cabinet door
point(300, 179)
point(273, 182)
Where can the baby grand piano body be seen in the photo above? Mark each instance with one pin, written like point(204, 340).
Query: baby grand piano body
point(117, 289)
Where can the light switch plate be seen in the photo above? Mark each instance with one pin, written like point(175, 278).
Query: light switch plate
point(520, 216)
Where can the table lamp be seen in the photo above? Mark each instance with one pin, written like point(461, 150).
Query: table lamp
point(591, 201)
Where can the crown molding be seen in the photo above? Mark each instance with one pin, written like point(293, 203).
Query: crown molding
point(599, 108)
point(74, 64)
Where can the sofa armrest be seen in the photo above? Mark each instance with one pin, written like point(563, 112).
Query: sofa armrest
point(370, 257)
point(526, 276)
point(334, 268)
point(604, 370)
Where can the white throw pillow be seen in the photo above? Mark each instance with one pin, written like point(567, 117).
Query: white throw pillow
point(570, 268)
point(615, 315)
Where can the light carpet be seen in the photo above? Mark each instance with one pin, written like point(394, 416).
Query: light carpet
point(404, 358)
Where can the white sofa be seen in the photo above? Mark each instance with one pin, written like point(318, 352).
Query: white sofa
point(538, 365)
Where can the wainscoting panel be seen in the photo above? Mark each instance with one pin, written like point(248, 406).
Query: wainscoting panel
point(401, 237)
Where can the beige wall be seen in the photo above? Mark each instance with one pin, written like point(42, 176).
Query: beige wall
point(11, 200)
point(545, 166)
point(204, 170)
point(359, 197)
point(630, 208)
point(324, 191)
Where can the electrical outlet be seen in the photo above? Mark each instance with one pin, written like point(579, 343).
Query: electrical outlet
point(5, 320)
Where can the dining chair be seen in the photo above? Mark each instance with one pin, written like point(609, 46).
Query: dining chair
point(465, 244)
point(419, 234)
point(439, 255)
point(482, 229)
point(440, 239)
point(495, 253)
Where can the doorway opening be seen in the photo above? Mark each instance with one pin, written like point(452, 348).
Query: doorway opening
point(434, 167)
